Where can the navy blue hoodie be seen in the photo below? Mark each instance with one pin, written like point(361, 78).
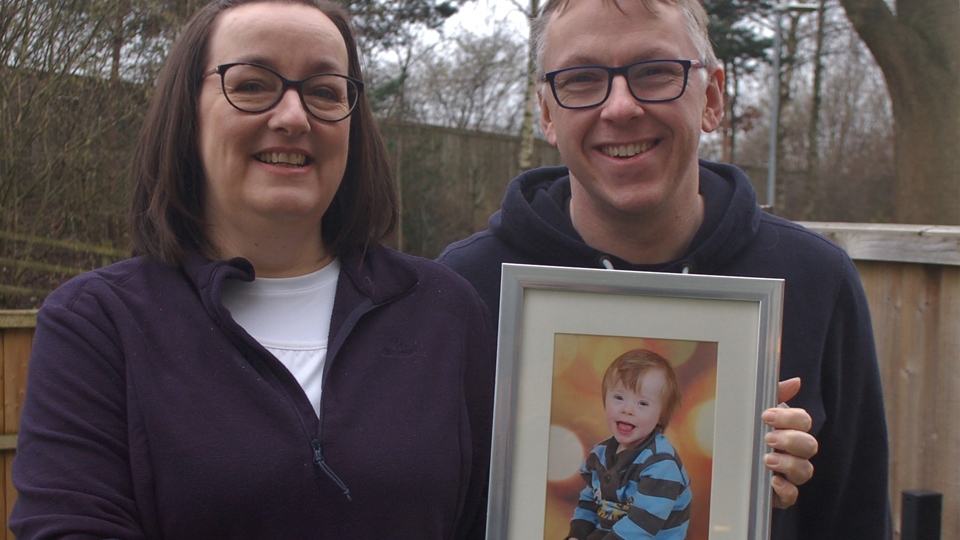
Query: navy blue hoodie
point(827, 335)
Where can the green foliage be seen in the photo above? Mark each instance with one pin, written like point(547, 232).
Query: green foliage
point(384, 94)
point(381, 23)
point(735, 42)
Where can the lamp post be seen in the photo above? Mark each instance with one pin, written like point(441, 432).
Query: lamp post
point(778, 11)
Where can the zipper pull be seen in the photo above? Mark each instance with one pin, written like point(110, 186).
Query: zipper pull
point(319, 461)
point(317, 453)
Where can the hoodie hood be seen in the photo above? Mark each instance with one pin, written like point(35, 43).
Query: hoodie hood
point(535, 219)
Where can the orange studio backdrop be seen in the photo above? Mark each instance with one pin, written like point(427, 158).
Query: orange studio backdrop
point(577, 420)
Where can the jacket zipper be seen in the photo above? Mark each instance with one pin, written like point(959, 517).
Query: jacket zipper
point(334, 348)
point(318, 459)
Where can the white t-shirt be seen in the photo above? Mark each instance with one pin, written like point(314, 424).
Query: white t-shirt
point(290, 317)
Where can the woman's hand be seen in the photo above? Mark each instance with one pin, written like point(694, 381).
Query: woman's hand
point(792, 446)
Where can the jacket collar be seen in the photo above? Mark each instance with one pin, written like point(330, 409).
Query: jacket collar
point(378, 273)
point(375, 274)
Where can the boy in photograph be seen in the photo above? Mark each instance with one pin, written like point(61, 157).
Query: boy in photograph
point(636, 484)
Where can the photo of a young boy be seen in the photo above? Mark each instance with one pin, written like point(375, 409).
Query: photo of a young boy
point(636, 485)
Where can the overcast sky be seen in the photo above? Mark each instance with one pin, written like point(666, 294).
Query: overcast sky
point(479, 16)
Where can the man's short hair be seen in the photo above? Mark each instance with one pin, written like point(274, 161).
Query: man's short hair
point(693, 12)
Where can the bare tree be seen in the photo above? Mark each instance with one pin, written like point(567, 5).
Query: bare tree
point(740, 48)
point(465, 81)
point(813, 136)
point(851, 158)
point(390, 99)
point(474, 83)
point(65, 128)
point(525, 159)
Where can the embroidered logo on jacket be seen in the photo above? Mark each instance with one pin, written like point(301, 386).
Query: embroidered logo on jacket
point(397, 347)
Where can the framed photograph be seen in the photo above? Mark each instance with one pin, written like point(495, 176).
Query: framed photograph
point(692, 360)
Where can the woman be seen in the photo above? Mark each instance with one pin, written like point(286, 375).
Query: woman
point(346, 392)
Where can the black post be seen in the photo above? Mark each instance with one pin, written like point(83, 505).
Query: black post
point(920, 514)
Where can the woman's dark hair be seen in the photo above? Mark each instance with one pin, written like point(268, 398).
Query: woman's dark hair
point(168, 192)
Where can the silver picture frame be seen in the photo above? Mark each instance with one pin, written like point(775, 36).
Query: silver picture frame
point(741, 316)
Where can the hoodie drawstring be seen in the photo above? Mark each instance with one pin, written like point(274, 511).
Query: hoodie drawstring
point(686, 268)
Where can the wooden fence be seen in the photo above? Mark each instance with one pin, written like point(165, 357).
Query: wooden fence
point(912, 278)
point(16, 335)
point(32, 266)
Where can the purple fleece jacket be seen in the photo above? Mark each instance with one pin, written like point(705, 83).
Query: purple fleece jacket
point(151, 414)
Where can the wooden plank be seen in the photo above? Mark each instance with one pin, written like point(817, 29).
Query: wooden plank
point(927, 366)
point(10, 493)
point(16, 344)
point(882, 283)
point(8, 441)
point(900, 243)
point(18, 318)
point(23, 291)
point(944, 466)
point(909, 415)
point(5, 476)
point(43, 267)
point(902, 430)
point(65, 244)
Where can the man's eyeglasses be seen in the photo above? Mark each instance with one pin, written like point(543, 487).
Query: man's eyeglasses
point(254, 88)
point(651, 81)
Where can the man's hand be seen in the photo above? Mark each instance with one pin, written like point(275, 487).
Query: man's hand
point(792, 446)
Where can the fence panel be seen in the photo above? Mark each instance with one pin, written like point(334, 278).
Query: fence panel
point(911, 275)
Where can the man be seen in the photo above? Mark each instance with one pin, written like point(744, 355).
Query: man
point(635, 196)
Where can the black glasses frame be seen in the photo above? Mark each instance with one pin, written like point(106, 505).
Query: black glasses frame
point(286, 84)
point(622, 70)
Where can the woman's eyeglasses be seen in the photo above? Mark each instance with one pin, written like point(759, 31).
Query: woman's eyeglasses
point(254, 88)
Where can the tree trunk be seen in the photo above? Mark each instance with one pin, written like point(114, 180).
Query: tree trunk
point(918, 50)
point(525, 159)
point(790, 42)
point(812, 185)
point(727, 121)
